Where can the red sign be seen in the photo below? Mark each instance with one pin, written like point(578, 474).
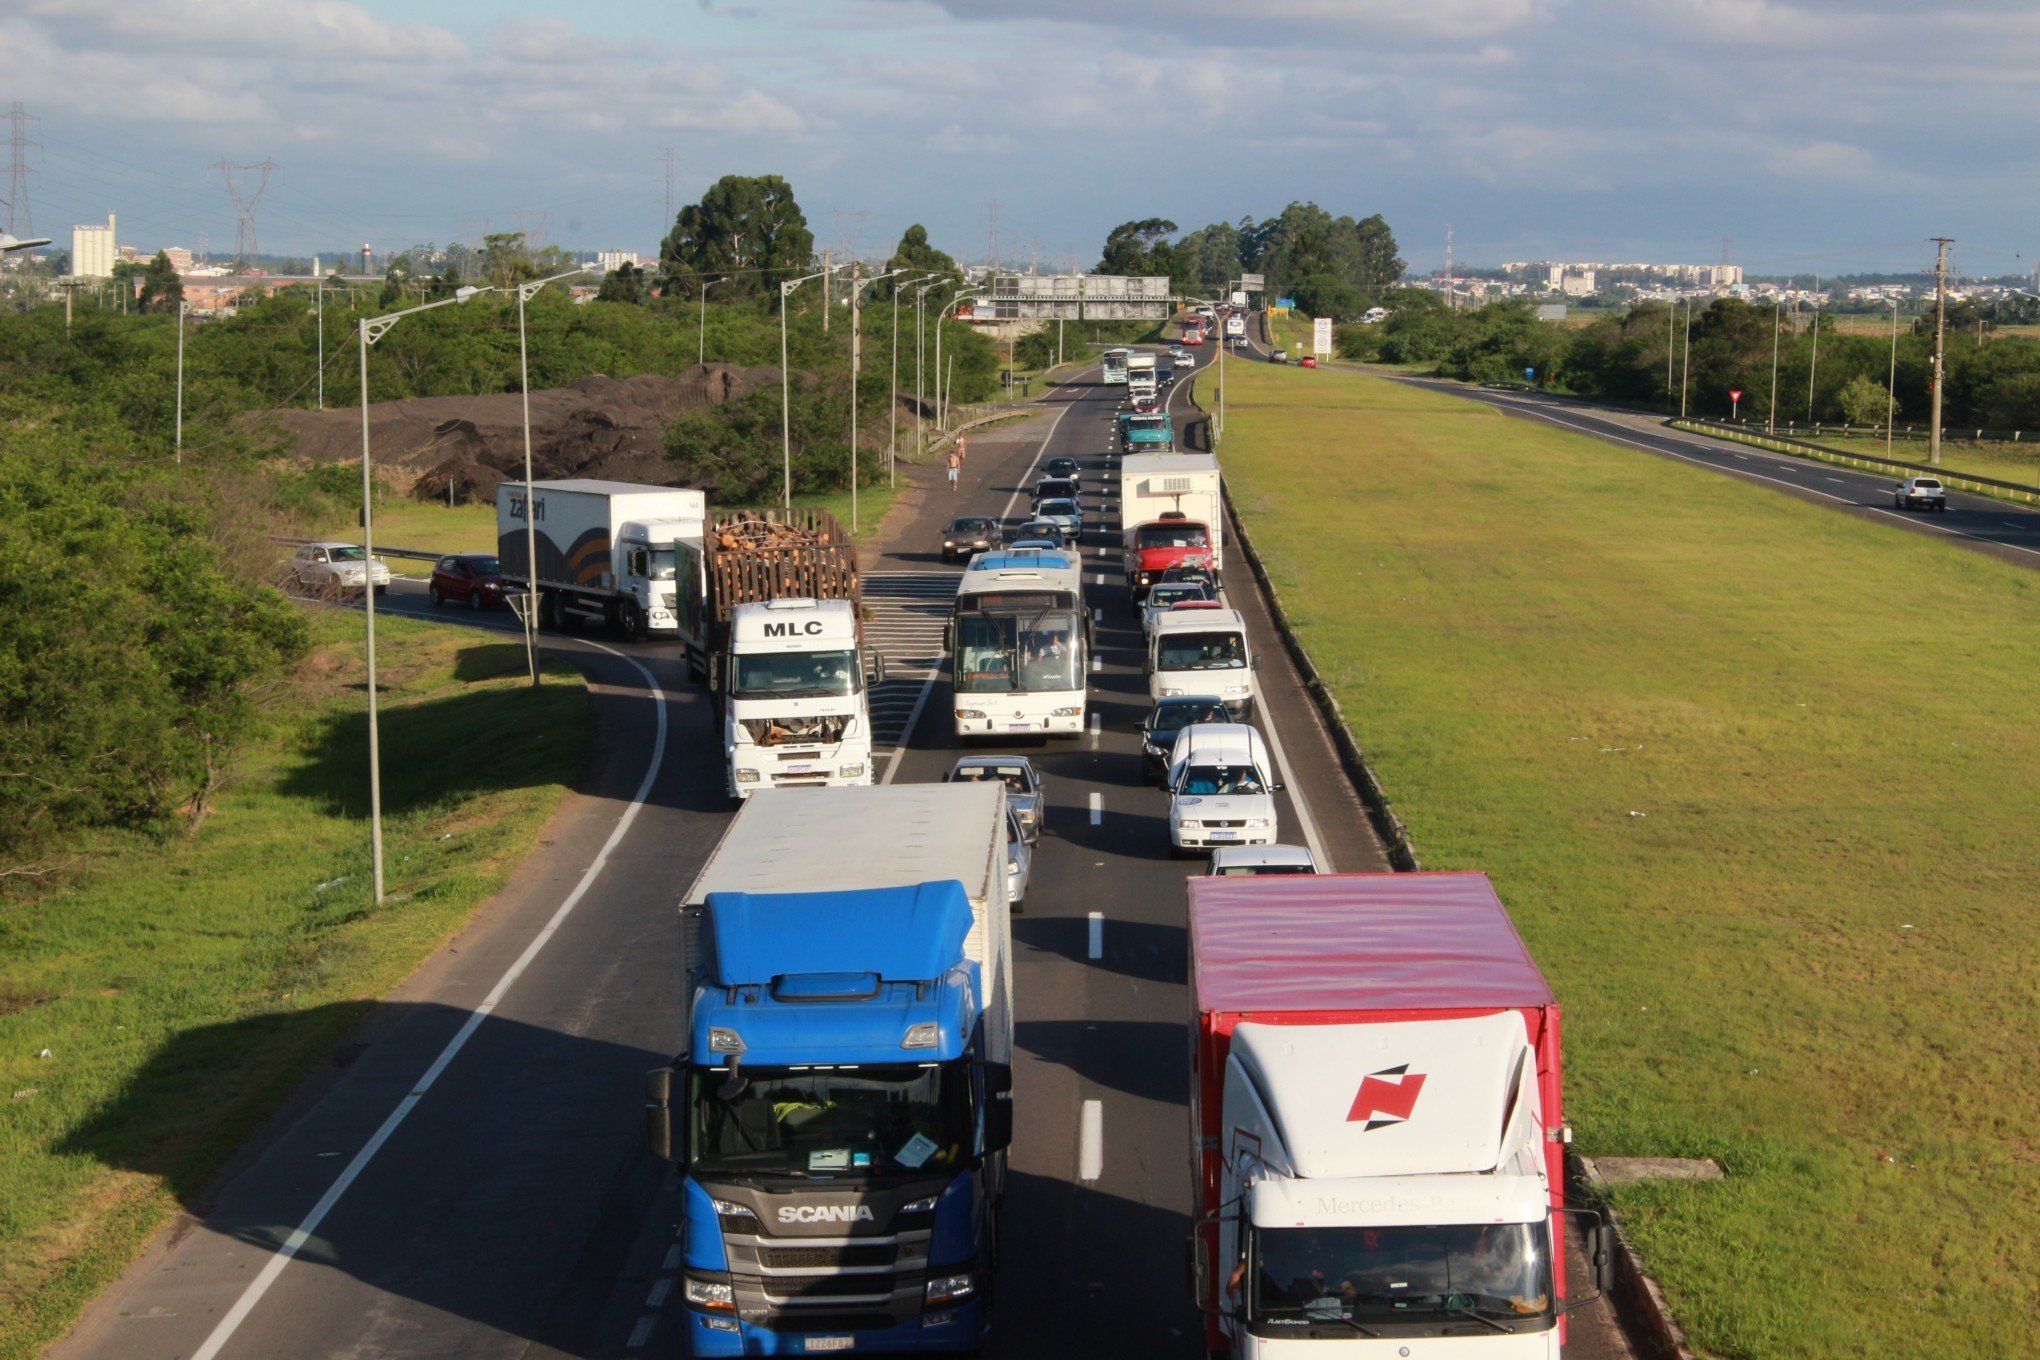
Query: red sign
point(1735, 394)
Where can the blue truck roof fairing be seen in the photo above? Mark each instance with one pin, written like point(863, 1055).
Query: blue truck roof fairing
point(852, 964)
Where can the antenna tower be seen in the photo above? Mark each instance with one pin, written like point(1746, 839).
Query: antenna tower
point(245, 201)
point(670, 216)
point(992, 233)
point(19, 222)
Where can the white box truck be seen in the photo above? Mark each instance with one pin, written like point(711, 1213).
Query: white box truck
point(605, 551)
point(796, 705)
point(1142, 382)
point(1172, 513)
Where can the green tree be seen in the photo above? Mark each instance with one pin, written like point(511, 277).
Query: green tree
point(625, 283)
point(747, 227)
point(1139, 248)
point(506, 259)
point(162, 290)
point(914, 255)
point(1211, 255)
point(1862, 401)
point(1377, 266)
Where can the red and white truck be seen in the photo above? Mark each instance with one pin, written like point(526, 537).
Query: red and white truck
point(1376, 1120)
point(1173, 514)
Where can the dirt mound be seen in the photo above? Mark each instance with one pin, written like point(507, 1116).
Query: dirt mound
point(612, 428)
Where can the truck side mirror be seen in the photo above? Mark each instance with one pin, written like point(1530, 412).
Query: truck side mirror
point(998, 1079)
point(659, 1113)
point(877, 676)
point(1257, 663)
point(998, 1124)
point(1601, 1249)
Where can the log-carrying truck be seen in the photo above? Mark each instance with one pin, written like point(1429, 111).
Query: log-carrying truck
point(1172, 513)
point(841, 1112)
point(1377, 1135)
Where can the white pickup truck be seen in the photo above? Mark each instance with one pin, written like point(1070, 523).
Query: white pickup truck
point(1925, 493)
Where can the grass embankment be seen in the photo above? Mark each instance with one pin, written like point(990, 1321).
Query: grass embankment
point(2007, 462)
point(182, 988)
point(1761, 785)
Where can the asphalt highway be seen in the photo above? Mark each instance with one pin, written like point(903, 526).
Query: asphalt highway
point(467, 1177)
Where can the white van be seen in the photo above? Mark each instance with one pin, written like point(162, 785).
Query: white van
point(1222, 788)
point(1203, 651)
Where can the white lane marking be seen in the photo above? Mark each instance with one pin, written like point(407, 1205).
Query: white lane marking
point(1101, 546)
point(1097, 664)
point(660, 1289)
point(641, 1333)
point(892, 765)
point(1097, 934)
point(301, 1234)
point(672, 1261)
point(1837, 479)
point(1091, 1142)
point(1098, 614)
point(1097, 809)
point(1296, 798)
point(1097, 726)
point(1097, 578)
point(2014, 524)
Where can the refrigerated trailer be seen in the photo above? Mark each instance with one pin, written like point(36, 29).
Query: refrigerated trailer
point(1377, 1129)
point(606, 551)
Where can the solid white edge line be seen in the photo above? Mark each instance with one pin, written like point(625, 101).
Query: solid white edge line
point(899, 750)
point(1097, 809)
point(1091, 1141)
point(292, 1245)
point(1097, 926)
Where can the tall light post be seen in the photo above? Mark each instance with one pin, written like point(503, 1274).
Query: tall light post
point(786, 287)
point(892, 435)
point(183, 310)
point(1813, 370)
point(1777, 323)
point(1686, 363)
point(525, 292)
point(319, 295)
point(370, 330)
point(941, 405)
point(920, 348)
point(701, 357)
point(1891, 386)
point(856, 359)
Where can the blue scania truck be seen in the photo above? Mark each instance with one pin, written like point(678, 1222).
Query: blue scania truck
point(841, 1113)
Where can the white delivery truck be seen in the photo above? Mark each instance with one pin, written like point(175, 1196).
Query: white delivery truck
point(1141, 378)
point(796, 712)
point(605, 551)
point(1201, 649)
point(1172, 514)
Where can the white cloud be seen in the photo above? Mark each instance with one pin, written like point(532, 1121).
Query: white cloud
point(283, 29)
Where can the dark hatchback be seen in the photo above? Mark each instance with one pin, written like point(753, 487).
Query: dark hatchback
point(1170, 716)
point(472, 579)
point(971, 534)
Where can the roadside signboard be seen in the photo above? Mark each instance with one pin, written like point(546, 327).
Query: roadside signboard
point(1321, 335)
point(1254, 283)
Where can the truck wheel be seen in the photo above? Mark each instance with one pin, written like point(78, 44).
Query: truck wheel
point(549, 611)
point(630, 621)
point(381, 591)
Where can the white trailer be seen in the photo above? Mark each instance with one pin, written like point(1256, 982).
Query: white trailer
point(1172, 513)
point(605, 551)
point(888, 836)
point(1141, 379)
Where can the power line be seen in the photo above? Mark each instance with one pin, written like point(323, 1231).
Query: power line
point(19, 221)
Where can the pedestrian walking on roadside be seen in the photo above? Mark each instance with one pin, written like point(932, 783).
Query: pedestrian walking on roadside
point(962, 448)
point(953, 462)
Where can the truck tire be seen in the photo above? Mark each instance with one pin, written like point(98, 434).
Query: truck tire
point(630, 621)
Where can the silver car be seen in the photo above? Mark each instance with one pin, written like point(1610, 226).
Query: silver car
point(1023, 787)
point(1019, 861)
point(333, 566)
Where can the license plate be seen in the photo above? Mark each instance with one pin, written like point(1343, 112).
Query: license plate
point(1225, 835)
point(831, 1343)
point(798, 769)
point(1019, 727)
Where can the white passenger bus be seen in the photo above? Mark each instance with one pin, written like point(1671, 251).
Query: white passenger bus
point(1115, 367)
point(1020, 645)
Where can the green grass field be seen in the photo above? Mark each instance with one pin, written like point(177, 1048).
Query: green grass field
point(182, 988)
point(1761, 785)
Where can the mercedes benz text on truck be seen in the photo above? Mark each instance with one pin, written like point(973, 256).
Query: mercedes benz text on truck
point(1376, 1124)
point(606, 551)
point(1172, 513)
point(841, 1113)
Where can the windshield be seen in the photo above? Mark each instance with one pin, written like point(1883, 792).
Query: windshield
point(1176, 717)
point(1001, 653)
point(1172, 536)
point(794, 675)
point(1256, 870)
point(1162, 596)
point(1500, 1272)
point(1213, 781)
point(349, 553)
point(486, 566)
point(1201, 652)
point(1057, 508)
point(838, 1121)
point(970, 526)
point(662, 565)
point(1148, 423)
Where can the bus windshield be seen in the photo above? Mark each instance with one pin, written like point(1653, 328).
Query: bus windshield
point(1005, 653)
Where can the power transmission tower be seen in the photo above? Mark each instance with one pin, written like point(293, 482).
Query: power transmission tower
point(19, 221)
point(533, 236)
point(1940, 342)
point(245, 202)
point(1451, 294)
point(670, 216)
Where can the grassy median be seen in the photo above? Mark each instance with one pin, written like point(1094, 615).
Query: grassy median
point(1761, 785)
point(250, 947)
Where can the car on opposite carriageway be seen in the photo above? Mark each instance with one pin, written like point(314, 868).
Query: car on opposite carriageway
point(1927, 493)
point(472, 579)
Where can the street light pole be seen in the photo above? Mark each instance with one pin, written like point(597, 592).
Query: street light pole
point(371, 329)
point(702, 356)
point(1686, 362)
point(525, 292)
point(1813, 370)
point(892, 438)
point(1891, 388)
point(183, 310)
point(1777, 322)
point(941, 405)
point(319, 293)
point(920, 354)
point(787, 286)
point(856, 361)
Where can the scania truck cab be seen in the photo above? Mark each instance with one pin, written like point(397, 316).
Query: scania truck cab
point(796, 711)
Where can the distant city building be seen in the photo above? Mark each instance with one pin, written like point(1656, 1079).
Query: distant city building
point(180, 259)
point(93, 251)
point(613, 260)
point(1577, 283)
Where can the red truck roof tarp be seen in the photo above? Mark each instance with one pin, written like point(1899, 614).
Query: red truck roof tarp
point(1357, 942)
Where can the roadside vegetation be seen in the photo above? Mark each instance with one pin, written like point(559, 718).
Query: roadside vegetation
point(257, 929)
point(1759, 783)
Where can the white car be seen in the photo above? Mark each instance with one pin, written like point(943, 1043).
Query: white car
point(1221, 788)
point(1925, 492)
point(338, 566)
point(1066, 515)
point(1188, 360)
point(1246, 861)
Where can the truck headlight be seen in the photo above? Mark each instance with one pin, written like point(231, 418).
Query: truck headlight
point(1235, 689)
point(1168, 693)
point(747, 776)
point(950, 1288)
point(968, 713)
point(1065, 712)
point(715, 1294)
point(851, 771)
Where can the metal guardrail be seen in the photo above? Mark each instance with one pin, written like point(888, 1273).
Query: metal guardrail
point(381, 550)
point(1982, 486)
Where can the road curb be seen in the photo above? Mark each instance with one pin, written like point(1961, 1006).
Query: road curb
point(1640, 1300)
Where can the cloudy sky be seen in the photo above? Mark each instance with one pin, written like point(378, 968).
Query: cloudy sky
point(1820, 134)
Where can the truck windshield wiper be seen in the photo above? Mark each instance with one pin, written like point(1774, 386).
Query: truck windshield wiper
point(1337, 1316)
point(1467, 1310)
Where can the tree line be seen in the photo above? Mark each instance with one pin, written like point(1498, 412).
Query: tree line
point(1330, 265)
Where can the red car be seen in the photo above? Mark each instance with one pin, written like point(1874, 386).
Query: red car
point(473, 579)
point(1308, 361)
